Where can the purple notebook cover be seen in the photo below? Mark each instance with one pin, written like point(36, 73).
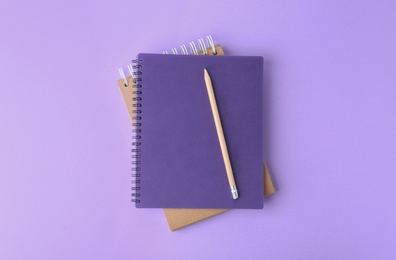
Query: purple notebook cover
point(181, 161)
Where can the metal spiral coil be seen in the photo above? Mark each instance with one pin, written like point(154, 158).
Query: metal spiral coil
point(136, 129)
point(203, 47)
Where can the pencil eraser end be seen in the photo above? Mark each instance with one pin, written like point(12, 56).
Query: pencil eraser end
point(234, 192)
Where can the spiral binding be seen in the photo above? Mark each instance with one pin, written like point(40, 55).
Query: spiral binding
point(136, 73)
point(193, 48)
point(203, 47)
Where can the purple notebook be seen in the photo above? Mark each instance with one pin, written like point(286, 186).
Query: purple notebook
point(178, 160)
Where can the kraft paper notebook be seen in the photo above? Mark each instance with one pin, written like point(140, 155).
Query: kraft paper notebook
point(179, 218)
point(177, 155)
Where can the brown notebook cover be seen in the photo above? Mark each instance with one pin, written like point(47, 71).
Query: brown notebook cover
point(179, 218)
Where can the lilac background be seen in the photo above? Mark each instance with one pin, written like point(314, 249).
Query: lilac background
point(65, 134)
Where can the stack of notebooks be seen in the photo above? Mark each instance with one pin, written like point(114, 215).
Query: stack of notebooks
point(179, 161)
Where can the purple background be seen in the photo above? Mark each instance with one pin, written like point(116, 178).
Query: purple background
point(65, 135)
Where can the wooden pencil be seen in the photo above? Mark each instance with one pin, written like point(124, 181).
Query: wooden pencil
point(220, 135)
